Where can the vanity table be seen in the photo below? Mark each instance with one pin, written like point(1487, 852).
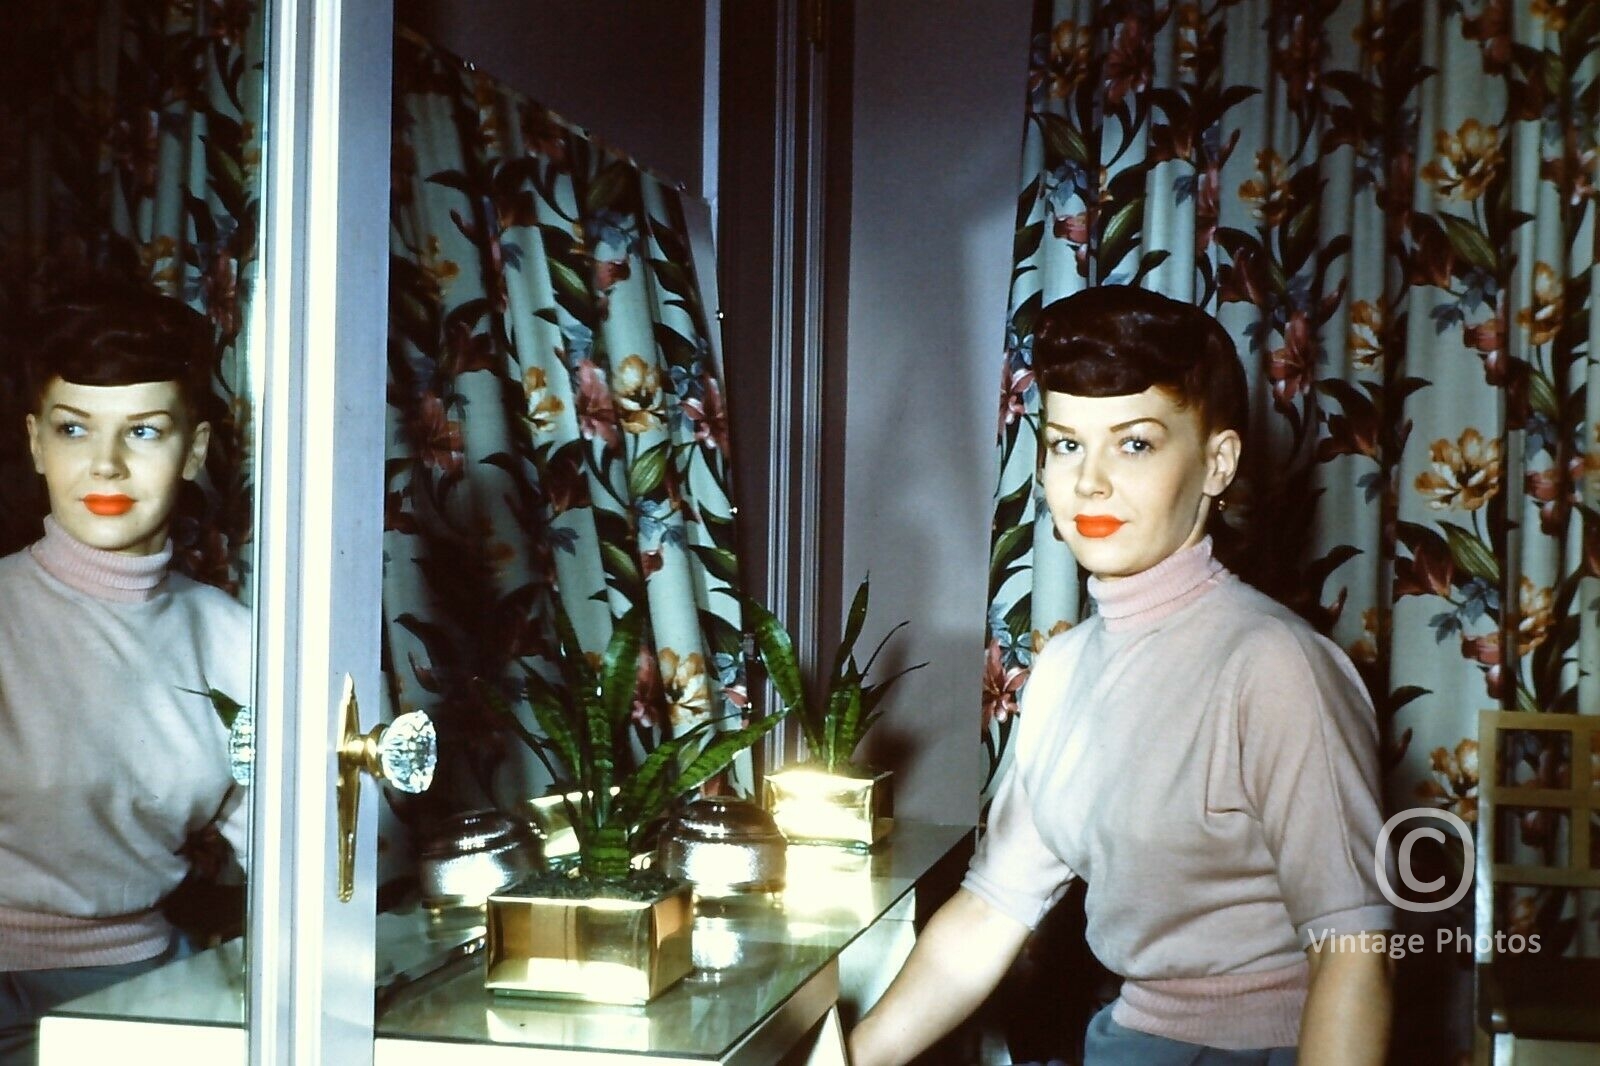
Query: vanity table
point(774, 976)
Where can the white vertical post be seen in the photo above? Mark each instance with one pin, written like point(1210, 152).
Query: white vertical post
point(795, 469)
point(711, 111)
point(324, 287)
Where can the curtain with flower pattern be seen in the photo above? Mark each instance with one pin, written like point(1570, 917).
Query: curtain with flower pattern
point(556, 425)
point(1391, 205)
point(132, 150)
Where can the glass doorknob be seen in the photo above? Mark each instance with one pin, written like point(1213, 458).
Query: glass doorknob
point(402, 754)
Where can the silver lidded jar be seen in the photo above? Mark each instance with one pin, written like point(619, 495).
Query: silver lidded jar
point(724, 847)
point(472, 855)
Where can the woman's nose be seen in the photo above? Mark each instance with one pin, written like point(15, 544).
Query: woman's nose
point(1091, 479)
point(108, 459)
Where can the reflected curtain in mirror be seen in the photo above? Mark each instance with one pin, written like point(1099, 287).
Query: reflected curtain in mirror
point(132, 151)
point(556, 423)
point(1392, 209)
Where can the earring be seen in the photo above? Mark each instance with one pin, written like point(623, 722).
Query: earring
point(1222, 504)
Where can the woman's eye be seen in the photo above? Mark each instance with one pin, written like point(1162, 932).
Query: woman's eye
point(1063, 446)
point(1136, 445)
point(142, 432)
point(70, 429)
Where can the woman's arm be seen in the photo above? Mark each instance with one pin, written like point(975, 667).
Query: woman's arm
point(1346, 1020)
point(959, 958)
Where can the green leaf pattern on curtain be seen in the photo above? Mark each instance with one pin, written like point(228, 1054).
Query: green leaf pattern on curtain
point(1392, 208)
point(556, 421)
point(133, 151)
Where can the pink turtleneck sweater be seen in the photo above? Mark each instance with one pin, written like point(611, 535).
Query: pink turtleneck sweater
point(106, 763)
point(1207, 763)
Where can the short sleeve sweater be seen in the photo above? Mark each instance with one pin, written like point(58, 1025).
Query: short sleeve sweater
point(1207, 763)
point(106, 762)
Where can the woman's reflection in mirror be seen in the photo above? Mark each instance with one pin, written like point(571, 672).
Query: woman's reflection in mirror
point(113, 759)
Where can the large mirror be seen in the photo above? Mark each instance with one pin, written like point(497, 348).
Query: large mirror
point(129, 214)
point(558, 436)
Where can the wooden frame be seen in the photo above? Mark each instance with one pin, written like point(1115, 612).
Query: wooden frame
point(1528, 1003)
point(1579, 802)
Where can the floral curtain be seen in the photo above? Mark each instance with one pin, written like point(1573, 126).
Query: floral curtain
point(132, 150)
point(1391, 205)
point(556, 425)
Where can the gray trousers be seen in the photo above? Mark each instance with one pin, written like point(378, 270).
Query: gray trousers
point(1108, 1044)
point(27, 995)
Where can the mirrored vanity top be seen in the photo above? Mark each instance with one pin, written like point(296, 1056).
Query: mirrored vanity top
point(752, 955)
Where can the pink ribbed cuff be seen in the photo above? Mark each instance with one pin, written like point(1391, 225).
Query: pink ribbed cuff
point(1235, 1012)
point(32, 941)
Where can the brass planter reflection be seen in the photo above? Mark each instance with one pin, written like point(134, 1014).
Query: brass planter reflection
point(830, 887)
point(597, 950)
point(813, 806)
point(548, 815)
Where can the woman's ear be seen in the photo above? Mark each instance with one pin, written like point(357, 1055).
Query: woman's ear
point(1222, 461)
point(34, 447)
point(199, 442)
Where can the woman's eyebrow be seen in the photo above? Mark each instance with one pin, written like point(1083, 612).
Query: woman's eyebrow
point(1118, 428)
point(159, 412)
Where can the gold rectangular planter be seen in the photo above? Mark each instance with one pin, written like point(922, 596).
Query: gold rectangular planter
point(815, 807)
point(596, 950)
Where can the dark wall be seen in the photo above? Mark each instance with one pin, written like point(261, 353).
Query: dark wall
point(745, 243)
point(630, 73)
point(937, 98)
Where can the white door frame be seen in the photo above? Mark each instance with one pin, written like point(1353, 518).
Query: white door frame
point(324, 288)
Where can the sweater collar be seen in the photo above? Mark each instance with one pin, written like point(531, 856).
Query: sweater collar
point(105, 575)
point(1153, 594)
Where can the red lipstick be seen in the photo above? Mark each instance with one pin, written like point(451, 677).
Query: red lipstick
point(108, 506)
point(1096, 526)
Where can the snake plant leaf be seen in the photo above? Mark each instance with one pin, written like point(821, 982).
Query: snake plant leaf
point(574, 664)
point(872, 694)
point(867, 722)
point(777, 655)
point(541, 746)
point(550, 712)
point(721, 751)
point(852, 629)
point(620, 670)
point(875, 651)
point(833, 738)
point(492, 698)
point(639, 791)
point(226, 706)
point(603, 852)
point(845, 721)
point(596, 775)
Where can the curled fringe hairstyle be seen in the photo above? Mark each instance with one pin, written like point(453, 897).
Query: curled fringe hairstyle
point(114, 334)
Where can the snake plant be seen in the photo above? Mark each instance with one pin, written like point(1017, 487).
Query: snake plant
point(584, 723)
point(835, 724)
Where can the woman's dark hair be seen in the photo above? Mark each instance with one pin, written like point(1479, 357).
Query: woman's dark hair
point(108, 334)
point(1118, 340)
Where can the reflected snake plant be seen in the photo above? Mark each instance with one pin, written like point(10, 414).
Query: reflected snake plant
point(585, 729)
point(835, 725)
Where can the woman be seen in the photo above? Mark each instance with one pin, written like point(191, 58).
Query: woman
point(1194, 751)
point(111, 755)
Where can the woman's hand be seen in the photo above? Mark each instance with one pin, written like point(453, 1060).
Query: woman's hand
point(1348, 1008)
point(960, 957)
